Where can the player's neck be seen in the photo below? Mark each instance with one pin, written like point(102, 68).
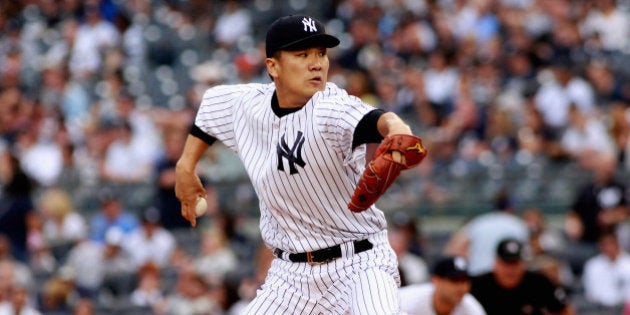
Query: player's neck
point(279, 111)
point(288, 100)
point(440, 307)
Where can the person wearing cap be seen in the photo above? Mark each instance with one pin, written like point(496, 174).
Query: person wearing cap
point(304, 143)
point(510, 288)
point(448, 293)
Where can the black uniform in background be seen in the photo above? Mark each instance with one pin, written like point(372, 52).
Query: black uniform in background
point(534, 294)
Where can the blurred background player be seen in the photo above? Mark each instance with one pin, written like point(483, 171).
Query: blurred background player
point(512, 289)
point(447, 294)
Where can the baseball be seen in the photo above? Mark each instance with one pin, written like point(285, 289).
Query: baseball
point(201, 206)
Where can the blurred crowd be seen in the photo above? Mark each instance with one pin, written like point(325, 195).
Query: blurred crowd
point(521, 103)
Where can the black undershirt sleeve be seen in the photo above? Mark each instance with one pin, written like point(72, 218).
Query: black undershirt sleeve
point(367, 131)
point(197, 132)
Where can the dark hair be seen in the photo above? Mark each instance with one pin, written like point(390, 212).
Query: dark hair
point(20, 184)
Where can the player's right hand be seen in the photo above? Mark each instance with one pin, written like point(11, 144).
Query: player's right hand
point(188, 189)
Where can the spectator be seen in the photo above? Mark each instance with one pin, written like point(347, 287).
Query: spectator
point(607, 84)
point(56, 295)
point(601, 204)
point(586, 137)
point(548, 249)
point(511, 289)
point(124, 161)
point(477, 240)
point(132, 43)
point(608, 25)
point(97, 267)
point(146, 139)
point(40, 158)
point(556, 94)
point(233, 23)
point(70, 176)
point(18, 303)
point(62, 223)
point(148, 292)
point(413, 269)
point(547, 239)
point(448, 293)
point(150, 243)
point(16, 204)
point(440, 83)
point(606, 276)
point(190, 297)
point(216, 259)
point(12, 271)
point(112, 214)
point(93, 38)
point(166, 201)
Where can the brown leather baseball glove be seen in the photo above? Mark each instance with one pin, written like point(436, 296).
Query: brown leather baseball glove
point(395, 154)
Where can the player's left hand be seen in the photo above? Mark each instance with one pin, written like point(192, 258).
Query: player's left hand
point(395, 154)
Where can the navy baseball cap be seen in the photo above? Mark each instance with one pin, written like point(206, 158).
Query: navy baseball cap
point(510, 250)
point(451, 267)
point(296, 32)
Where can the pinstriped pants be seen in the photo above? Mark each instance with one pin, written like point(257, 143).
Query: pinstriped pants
point(364, 283)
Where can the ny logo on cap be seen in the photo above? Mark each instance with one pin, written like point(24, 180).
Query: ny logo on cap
point(310, 24)
point(460, 263)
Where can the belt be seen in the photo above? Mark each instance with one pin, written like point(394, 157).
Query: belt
point(324, 255)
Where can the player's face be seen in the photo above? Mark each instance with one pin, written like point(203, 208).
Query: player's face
point(451, 291)
point(300, 73)
point(509, 274)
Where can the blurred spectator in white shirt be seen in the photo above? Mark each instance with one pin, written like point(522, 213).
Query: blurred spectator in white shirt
point(232, 24)
point(585, 137)
point(441, 82)
point(18, 303)
point(124, 161)
point(606, 277)
point(147, 138)
point(93, 38)
point(40, 158)
point(150, 243)
point(132, 40)
point(609, 25)
point(559, 91)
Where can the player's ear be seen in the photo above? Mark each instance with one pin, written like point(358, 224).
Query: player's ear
point(272, 67)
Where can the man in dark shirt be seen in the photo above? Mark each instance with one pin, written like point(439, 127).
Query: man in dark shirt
point(600, 205)
point(512, 289)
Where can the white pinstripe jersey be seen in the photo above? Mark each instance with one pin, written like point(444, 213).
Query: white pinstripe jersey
point(301, 165)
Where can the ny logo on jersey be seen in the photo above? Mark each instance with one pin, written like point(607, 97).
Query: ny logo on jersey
point(310, 24)
point(292, 154)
